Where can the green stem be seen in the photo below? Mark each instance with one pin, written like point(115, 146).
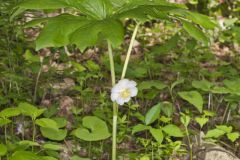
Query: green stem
point(130, 51)
point(34, 132)
point(115, 106)
point(5, 133)
point(111, 63)
point(190, 144)
point(114, 132)
point(37, 81)
point(90, 149)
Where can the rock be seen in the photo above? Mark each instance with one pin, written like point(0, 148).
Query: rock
point(219, 153)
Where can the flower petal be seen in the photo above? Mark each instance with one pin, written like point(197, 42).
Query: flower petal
point(123, 82)
point(133, 91)
point(127, 99)
point(120, 101)
point(131, 84)
point(114, 96)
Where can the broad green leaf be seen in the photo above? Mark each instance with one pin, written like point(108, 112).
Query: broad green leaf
point(157, 134)
point(30, 110)
point(48, 158)
point(153, 114)
point(145, 13)
point(139, 116)
point(185, 120)
point(201, 121)
point(79, 158)
point(47, 123)
point(28, 143)
point(177, 82)
point(173, 130)
point(233, 136)
point(53, 134)
point(151, 84)
point(43, 4)
point(226, 129)
point(165, 119)
point(3, 150)
point(204, 85)
point(144, 10)
point(36, 22)
point(58, 29)
point(91, 33)
point(118, 3)
point(139, 128)
point(24, 155)
point(233, 86)
point(9, 112)
point(220, 90)
point(4, 121)
point(195, 32)
point(61, 122)
point(145, 158)
point(215, 133)
point(197, 18)
point(209, 113)
point(95, 129)
point(193, 97)
point(167, 108)
point(54, 147)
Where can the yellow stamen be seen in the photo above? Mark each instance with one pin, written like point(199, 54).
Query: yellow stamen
point(125, 93)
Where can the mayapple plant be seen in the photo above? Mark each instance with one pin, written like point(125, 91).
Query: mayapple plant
point(84, 23)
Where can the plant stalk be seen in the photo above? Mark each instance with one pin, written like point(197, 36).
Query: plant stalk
point(190, 144)
point(111, 63)
point(34, 132)
point(114, 131)
point(5, 134)
point(115, 106)
point(37, 81)
point(130, 51)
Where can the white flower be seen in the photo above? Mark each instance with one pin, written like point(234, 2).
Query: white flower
point(123, 91)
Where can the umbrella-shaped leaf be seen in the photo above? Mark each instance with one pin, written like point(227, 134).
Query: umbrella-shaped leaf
point(57, 30)
point(195, 32)
point(91, 33)
point(96, 9)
